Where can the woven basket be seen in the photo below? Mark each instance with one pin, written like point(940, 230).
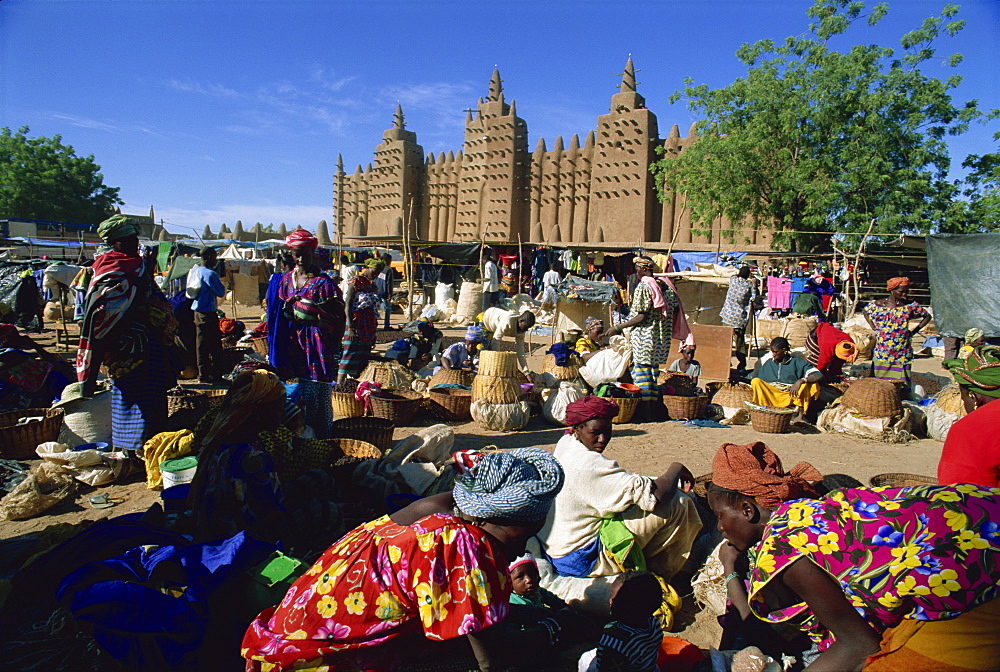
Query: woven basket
point(18, 442)
point(451, 404)
point(389, 375)
point(732, 395)
point(188, 401)
point(626, 409)
point(399, 406)
point(376, 431)
point(498, 364)
point(569, 372)
point(451, 377)
point(355, 448)
point(346, 405)
point(684, 408)
point(774, 421)
point(678, 381)
point(950, 399)
point(260, 346)
point(874, 398)
point(496, 390)
point(899, 480)
point(701, 484)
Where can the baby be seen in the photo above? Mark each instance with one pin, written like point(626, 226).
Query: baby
point(525, 579)
point(631, 641)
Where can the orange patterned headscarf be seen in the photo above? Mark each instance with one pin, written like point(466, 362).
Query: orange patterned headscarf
point(893, 283)
point(755, 471)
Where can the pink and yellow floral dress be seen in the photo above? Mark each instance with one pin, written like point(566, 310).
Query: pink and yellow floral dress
point(926, 553)
point(437, 579)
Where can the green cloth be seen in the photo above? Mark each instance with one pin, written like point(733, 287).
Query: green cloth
point(163, 254)
point(181, 266)
point(534, 600)
point(620, 543)
point(807, 304)
point(980, 372)
point(119, 226)
point(786, 373)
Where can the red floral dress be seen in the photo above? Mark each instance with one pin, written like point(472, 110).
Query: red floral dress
point(440, 577)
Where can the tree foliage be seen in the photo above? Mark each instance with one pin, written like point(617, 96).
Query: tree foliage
point(41, 178)
point(979, 211)
point(814, 139)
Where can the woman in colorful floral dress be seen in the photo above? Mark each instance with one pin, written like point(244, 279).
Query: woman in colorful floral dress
point(898, 578)
point(411, 586)
point(656, 315)
point(890, 319)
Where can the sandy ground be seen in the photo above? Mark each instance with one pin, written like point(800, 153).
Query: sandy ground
point(643, 448)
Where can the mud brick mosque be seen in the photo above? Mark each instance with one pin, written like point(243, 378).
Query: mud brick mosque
point(495, 190)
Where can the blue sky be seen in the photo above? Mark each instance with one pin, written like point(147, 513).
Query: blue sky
point(218, 111)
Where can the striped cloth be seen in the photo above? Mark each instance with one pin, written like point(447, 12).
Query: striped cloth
point(139, 401)
point(519, 485)
point(354, 357)
point(644, 376)
point(638, 646)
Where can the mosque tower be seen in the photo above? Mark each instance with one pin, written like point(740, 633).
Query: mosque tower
point(395, 181)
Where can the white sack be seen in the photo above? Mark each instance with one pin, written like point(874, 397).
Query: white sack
point(608, 364)
point(501, 417)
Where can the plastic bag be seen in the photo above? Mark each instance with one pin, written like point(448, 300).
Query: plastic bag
point(87, 466)
point(45, 486)
point(556, 401)
point(608, 364)
point(444, 292)
point(192, 286)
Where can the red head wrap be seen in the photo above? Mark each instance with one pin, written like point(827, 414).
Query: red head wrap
point(755, 471)
point(301, 238)
point(893, 283)
point(8, 332)
point(588, 408)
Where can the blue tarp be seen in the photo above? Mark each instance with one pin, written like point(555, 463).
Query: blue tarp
point(685, 261)
point(41, 242)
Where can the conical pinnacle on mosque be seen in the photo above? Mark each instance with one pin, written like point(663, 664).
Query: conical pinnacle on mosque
point(496, 86)
point(340, 163)
point(207, 233)
point(322, 233)
point(282, 230)
point(628, 77)
point(398, 121)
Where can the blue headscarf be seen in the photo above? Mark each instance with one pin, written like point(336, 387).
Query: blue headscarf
point(518, 486)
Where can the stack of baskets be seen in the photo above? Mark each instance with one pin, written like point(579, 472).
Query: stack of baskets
point(376, 431)
point(496, 392)
point(18, 441)
point(451, 377)
point(685, 407)
point(873, 398)
point(771, 419)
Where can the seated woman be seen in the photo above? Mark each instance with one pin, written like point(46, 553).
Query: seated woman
point(651, 521)
point(687, 364)
point(971, 453)
point(880, 578)
point(500, 323)
point(783, 380)
point(827, 348)
point(589, 343)
point(428, 583)
point(422, 347)
point(465, 354)
point(29, 380)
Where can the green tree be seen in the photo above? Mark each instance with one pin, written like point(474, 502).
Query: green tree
point(41, 178)
point(813, 139)
point(979, 210)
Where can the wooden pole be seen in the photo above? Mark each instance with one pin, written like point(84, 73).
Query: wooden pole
point(62, 316)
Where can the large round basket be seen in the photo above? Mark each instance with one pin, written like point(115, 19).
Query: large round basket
point(732, 395)
point(498, 364)
point(874, 398)
point(899, 480)
point(679, 381)
point(451, 377)
point(188, 401)
point(376, 431)
point(260, 346)
point(390, 375)
point(18, 442)
point(626, 409)
point(451, 404)
point(496, 390)
point(568, 372)
point(399, 406)
point(684, 408)
point(771, 419)
point(355, 448)
point(346, 405)
point(701, 484)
